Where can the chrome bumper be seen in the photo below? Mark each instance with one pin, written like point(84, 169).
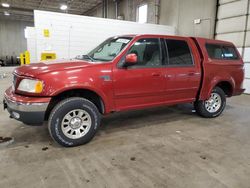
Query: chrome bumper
point(29, 110)
point(25, 107)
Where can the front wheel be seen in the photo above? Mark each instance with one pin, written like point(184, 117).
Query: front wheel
point(212, 107)
point(74, 121)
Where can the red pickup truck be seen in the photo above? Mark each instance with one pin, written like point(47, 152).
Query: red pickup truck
point(124, 73)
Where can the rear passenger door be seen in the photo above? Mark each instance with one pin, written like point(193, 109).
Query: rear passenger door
point(182, 72)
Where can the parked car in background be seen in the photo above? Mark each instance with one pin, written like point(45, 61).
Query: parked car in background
point(125, 73)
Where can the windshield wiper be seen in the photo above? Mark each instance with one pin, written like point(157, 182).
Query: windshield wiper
point(88, 57)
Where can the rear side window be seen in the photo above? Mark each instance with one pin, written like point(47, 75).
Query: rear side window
point(216, 51)
point(178, 52)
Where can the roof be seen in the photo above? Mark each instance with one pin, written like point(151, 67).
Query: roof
point(23, 10)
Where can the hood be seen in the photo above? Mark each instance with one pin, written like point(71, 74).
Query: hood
point(42, 67)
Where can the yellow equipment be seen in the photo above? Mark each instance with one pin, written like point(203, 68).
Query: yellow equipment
point(48, 55)
point(22, 59)
point(25, 58)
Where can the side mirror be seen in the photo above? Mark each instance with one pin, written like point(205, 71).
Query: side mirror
point(130, 59)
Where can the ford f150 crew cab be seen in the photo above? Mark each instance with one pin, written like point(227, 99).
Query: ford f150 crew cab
point(124, 73)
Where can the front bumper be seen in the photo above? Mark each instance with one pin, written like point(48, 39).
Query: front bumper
point(29, 110)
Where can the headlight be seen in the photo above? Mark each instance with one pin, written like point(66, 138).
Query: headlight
point(31, 86)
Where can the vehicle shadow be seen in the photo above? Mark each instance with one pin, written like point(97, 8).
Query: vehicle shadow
point(24, 134)
point(147, 117)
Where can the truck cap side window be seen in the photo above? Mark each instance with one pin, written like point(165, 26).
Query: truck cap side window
point(223, 52)
point(178, 53)
point(229, 52)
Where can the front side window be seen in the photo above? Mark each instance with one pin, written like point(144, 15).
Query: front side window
point(178, 53)
point(109, 49)
point(147, 51)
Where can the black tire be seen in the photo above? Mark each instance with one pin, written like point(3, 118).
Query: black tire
point(58, 114)
point(201, 109)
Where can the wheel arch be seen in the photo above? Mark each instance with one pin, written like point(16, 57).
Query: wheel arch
point(89, 94)
point(227, 85)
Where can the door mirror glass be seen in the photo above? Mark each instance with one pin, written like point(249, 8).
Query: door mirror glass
point(130, 59)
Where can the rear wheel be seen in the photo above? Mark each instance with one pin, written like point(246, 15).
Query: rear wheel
point(212, 107)
point(74, 121)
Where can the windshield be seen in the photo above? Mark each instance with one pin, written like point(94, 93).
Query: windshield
point(107, 50)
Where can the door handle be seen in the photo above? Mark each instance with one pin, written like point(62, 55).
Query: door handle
point(155, 74)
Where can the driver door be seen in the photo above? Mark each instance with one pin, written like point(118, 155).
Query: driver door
point(142, 84)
